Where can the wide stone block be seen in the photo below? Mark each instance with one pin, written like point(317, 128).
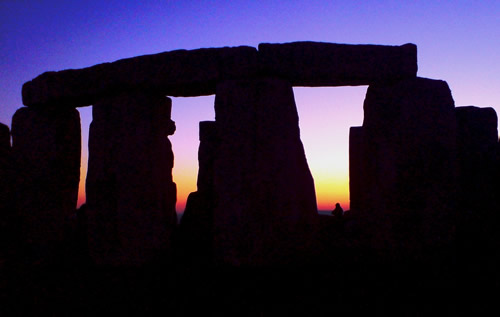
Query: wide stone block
point(175, 73)
point(327, 64)
point(410, 139)
point(266, 203)
point(46, 147)
point(130, 193)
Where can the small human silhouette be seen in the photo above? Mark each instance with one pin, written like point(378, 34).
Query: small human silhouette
point(338, 211)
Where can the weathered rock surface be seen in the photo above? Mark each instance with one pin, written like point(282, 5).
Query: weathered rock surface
point(266, 202)
point(130, 193)
point(175, 73)
point(410, 162)
point(46, 147)
point(328, 64)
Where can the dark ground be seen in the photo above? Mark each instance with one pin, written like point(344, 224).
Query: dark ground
point(334, 280)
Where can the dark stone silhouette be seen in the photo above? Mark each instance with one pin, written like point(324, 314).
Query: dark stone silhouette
point(359, 180)
point(478, 199)
point(175, 73)
point(266, 202)
point(477, 140)
point(328, 64)
point(196, 72)
point(6, 188)
point(4, 137)
point(130, 193)
point(46, 146)
point(409, 162)
point(196, 226)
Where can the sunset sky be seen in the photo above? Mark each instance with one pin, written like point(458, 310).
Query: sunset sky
point(458, 41)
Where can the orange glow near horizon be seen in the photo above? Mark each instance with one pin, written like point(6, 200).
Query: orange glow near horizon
point(325, 115)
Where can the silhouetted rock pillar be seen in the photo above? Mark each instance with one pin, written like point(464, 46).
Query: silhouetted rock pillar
point(196, 227)
point(266, 202)
point(6, 187)
point(357, 179)
point(46, 148)
point(410, 149)
point(477, 142)
point(130, 193)
point(478, 221)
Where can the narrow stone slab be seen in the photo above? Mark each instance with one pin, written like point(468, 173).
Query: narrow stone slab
point(327, 64)
point(46, 146)
point(196, 227)
point(357, 178)
point(175, 73)
point(130, 193)
point(6, 188)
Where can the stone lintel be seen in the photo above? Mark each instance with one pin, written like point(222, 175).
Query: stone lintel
point(186, 73)
point(183, 73)
point(327, 64)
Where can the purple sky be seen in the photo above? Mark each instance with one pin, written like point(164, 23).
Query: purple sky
point(458, 41)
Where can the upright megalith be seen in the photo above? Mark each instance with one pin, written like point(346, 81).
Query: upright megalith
point(46, 145)
point(265, 197)
point(478, 185)
point(477, 140)
point(130, 193)
point(358, 180)
point(409, 133)
point(196, 226)
point(6, 186)
point(329, 64)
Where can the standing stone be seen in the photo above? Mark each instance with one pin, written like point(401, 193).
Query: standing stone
point(130, 193)
point(410, 144)
point(196, 227)
point(357, 178)
point(46, 152)
point(478, 202)
point(266, 202)
point(477, 141)
point(6, 187)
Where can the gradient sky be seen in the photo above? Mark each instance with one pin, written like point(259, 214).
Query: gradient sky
point(458, 41)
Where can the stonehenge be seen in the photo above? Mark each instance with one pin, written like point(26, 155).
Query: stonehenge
point(412, 162)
